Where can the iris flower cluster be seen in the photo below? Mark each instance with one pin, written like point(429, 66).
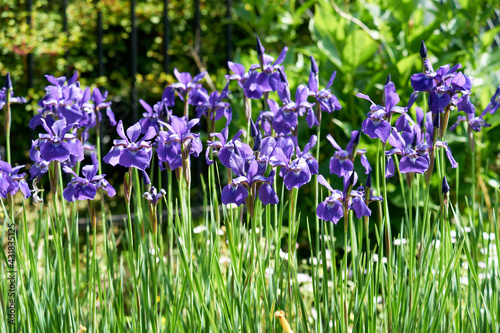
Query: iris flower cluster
point(11, 181)
point(249, 169)
point(65, 99)
point(338, 203)
point(271, 149)
point(416, 147)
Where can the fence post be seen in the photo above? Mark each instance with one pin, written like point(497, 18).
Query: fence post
point(229, 31)
point(100, 50)
point(134, 61)
point(197, 28)
point(166, 37)
point(65, 30)
point(29, 58)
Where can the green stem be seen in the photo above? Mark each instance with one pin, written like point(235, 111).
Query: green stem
point(7, 123)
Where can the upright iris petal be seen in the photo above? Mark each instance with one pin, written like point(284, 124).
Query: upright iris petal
point(377, 124)
point(130, 151)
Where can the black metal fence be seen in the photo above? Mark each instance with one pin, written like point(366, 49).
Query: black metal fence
point(133, 48)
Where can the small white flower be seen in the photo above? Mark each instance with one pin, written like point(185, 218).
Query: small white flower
point(488, 236)
point(303, 278)
point(223, 260)
point(436, 243)
point(464, 280)
point(199, 229)
point(400, 241)
point(283, 255)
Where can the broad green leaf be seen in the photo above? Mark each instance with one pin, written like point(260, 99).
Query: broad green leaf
point(489, 36)
point(359, 48)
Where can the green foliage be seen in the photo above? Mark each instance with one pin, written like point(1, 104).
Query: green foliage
point(126, 280)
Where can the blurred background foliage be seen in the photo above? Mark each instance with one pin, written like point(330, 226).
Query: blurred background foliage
point(363, 40)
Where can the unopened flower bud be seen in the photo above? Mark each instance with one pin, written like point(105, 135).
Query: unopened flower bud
point(8, 82)
point(423, 50)
point(445, 188)
point(314, 66)
point(260, 48)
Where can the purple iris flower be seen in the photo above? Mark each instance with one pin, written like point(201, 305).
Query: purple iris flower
point(444, 145)
point(337, 204)
point(342, 160)
point(295, 171)
point(58, 144)
point(100, 103)
point(8, 90)
point(159, 111)
point(327, 101)
point(247, 175)
point(131, 151)
point(187, 83)
point(11, 181)
point(40, 167)
point(286, 119)
point(154, 196)
point(265, 118)
point(85, 188)
point(225, 148)
point(251, 88)
point(268, 79)
point(415, 153)
point(213, 105)
point(177, 143)
point(246, 80)
point(494, 103)
point(476, 123)
point(266, 151)
point(239, 73)
point(63, 98)
point(378, 125)
point(443, 85)
point(430, 79)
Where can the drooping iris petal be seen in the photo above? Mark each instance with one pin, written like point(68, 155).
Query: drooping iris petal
point(377, 128)
point(413, 164)
point(330, 210)
point(54, 151)
point(267, 195)
point(340, 167)
point(298, 175)
point(360, 208)
point(234, 194)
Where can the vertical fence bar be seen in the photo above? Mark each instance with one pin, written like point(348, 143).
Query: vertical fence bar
point(65, 30)
point(29, 58)
point(100, 49)
point(134, 60)
point(197, 28)
point(229, 31)
point(166, 37)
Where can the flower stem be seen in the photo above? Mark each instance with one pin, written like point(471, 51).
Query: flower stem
point(7, 123)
